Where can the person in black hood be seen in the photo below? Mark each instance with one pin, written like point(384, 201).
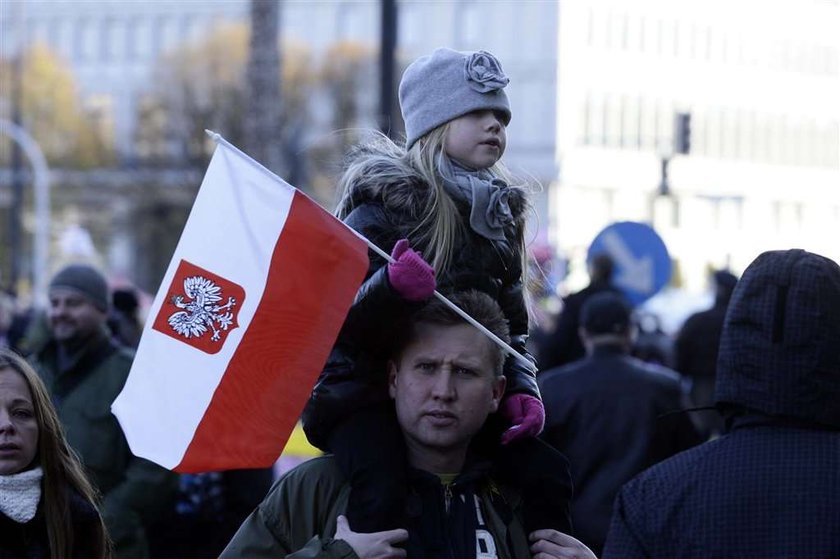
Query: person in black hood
point(770, 486)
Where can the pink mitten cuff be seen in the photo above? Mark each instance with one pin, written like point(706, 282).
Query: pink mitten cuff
point(410, 276)
point(526, 415)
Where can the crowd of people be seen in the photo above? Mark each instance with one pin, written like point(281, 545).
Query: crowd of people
point(441, 442)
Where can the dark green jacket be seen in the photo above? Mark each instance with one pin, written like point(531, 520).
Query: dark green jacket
point(298, 518)
point(133, 490)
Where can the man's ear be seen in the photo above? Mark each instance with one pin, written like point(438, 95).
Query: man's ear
point(499, 384)
point(392, 378)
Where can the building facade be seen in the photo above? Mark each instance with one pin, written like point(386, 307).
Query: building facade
point(761, 82)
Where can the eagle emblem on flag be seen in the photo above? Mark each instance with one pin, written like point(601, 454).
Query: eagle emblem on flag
point(201, 308)
point(202, 311)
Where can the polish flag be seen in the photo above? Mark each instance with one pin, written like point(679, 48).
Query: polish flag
point(242, 325)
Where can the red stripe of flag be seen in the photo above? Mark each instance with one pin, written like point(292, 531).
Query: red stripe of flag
point(316, 268)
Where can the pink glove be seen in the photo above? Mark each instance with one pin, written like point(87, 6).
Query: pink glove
point(410, 276)
point(526, 414)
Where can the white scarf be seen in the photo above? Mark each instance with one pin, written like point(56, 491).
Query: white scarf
point(20, 494)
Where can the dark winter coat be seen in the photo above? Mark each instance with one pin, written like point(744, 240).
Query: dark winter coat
point(770, 487)
point(606, 414)
point(133, 490)
point(563, 345)
point(28, 540)
point(696, 351)
point(298, 517)
point(354, 375)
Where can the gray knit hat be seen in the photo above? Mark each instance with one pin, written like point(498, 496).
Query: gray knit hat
point(447, 84)
point(87, 281)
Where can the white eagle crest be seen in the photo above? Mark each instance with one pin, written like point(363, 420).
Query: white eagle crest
point(202, 311)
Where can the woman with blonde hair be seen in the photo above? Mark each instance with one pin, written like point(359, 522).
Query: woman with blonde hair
point(47, 506)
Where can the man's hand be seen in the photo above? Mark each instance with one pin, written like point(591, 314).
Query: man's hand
point(551, 544)
point(376, 545)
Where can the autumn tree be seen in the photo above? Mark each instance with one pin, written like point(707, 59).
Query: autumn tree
point(53, 113)
point(202, 85)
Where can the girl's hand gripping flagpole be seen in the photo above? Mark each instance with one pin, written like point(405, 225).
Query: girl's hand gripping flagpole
point(518, 356)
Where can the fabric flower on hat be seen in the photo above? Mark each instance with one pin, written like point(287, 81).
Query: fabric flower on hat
point(484, 72)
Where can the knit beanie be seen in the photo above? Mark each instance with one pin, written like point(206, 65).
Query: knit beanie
point(447, 84)
point(87, 281)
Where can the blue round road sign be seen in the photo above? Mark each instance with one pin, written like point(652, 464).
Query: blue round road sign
point(642, 263)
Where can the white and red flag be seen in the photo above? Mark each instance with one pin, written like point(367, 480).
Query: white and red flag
point(242, 324)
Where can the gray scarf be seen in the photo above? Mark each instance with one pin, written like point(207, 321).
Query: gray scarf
point(486, 195)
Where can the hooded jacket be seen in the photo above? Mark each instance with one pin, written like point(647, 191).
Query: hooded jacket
point(770, 487)
point(385, 211)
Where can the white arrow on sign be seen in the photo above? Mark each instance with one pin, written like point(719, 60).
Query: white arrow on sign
point(635, 274)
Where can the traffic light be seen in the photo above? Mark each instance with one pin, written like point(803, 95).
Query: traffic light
point(682, 133)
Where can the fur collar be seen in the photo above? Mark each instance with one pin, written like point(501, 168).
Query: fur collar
point(385, 177)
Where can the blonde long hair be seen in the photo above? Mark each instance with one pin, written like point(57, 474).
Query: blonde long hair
point(440, 225)
point(61, 467)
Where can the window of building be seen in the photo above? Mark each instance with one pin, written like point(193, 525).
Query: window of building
point(613, 121)
point(468, 18)
point(595, 122)
point(832, 145)
point(665, 121)
point(685, 40)
point(735, 124)
point(661, 30)
point(624, 30)
point(586, 117)
point(641, 32)
point(641, 141)
point(699, 129)
point(707, 43)
point(106, 45)
point(675, 38)
point(748, 135)
point(629, 122)
point(788, 216)
point(715, 135)
point(609, 37)
point(142, 45)
point(64, 38)
point(832, 61)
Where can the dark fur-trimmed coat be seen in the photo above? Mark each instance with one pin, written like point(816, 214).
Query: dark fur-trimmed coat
point(385, 212)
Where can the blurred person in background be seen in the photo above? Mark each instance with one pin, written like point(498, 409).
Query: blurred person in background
point(208, 510)
point(608, 413)
point(84, 371)
point(123, 319)
point(696, 350)
point(7, 315)
point(652, 344)
point(564, 345)
point(769, 486)
point(47, 505)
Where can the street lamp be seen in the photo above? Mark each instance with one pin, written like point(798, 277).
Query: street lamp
point(40, 255)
